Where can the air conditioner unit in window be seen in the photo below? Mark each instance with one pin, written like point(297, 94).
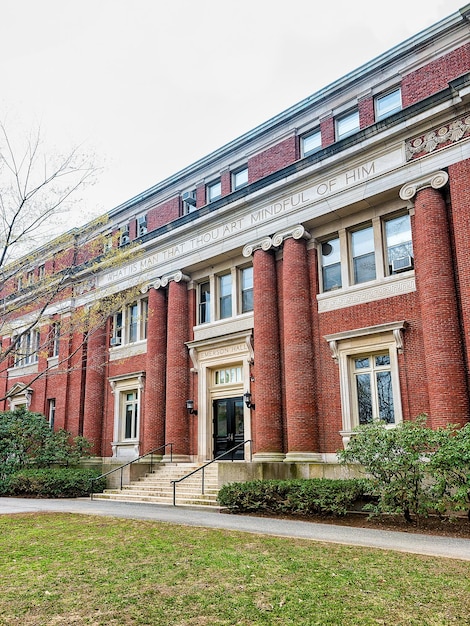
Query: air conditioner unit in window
point(115, 341)
point(124, 238)
point(402, 264)
point(189, 197)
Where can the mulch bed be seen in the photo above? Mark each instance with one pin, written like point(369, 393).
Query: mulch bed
point(459, 527)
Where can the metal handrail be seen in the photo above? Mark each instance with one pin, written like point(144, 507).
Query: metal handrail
point(121, 467)
point(203, 467)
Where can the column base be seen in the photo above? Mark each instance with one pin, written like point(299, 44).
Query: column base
point(303, 457)
point(268, 457)
point(176, 458)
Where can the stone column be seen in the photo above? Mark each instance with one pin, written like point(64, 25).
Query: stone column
point(95, 387)
point(267, 415)
point(155, 380)
point(177, 368)
point(435, 284)
point(302, 428)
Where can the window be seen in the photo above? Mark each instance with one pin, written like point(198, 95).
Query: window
point(107, 243)
point(51, 412)
point(228, 376)
point(363, 254)
point(141, 225)
point(331, 264)
point(127, 392)
point(27, 346)
point(240, 178)
point(130, 408)
point(30, 278)
point(41, 272)
point(124, 237)
point(373, 388)
point(399, 244)
point(369, 376)
point(387, 104)
point(214, 191)
point(204, 302)
point(19, 284)
point(225, 296)
point(54, 339)
point(347, 124)
point(311, 143)
point(246, 284)
point(130, 324)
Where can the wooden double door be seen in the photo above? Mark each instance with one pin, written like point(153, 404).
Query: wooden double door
point(228, 428)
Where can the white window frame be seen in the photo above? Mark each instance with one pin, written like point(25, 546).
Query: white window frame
point(206, 304)
point(121, 329)
point(391, 110)
point(314, 138)
point(383, 338)
point(141, 225)
point(26, 351)
point(121, 386)
point(220, 296)
point(214, 190)
point(343, 124)
point(241, 291)
point(237, 173)
point(51, 407)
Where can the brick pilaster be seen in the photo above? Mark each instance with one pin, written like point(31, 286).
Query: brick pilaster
point(435, 283)
point(298, 353)
point(267, 418)
point(95, 388)
point(177, 371)
point(155, 381)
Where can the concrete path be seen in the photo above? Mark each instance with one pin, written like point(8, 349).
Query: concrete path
point(202, 517)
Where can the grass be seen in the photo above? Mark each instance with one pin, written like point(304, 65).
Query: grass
point(74, 570)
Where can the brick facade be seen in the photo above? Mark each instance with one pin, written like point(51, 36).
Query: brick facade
point(357, 307)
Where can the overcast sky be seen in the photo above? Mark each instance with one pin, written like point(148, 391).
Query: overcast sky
point(150, 86)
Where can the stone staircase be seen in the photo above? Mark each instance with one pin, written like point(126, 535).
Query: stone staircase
point(157, 487)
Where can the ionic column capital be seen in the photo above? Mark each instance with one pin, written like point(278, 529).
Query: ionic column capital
point(295, 232)
point(263, 244)
point(163, 281)
point(435, 180)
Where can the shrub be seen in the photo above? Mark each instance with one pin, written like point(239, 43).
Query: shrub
point(449, 467)
point(64, 482)
point(397, 462)
point(26, 439)
point(317, 496)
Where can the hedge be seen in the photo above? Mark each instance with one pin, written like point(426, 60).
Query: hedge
point(63, 482)
point(312, 496)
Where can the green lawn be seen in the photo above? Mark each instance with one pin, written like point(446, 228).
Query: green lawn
point(65, 569)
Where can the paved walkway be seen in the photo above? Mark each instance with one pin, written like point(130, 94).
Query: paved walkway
point(202, 517)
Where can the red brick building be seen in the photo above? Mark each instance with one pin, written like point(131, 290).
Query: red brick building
point(320, 263)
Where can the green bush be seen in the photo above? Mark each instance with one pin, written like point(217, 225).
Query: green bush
point(63, 482)
point(449, 467)
point(314, 496)
point(396, 460)
point(26, 440)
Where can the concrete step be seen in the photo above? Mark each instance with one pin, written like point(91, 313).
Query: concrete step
point(157, 486)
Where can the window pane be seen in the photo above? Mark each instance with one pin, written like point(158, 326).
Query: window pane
point(204, 303)
point(331, 266)
point(347, 124)
point(247, 289)
point(383, 359)
point(214, 191)
point(388, 104)
point(364, 398)
point(385, 397)
point(398, 236)
point(225, 290)
point(361, 363)
point(240, 178)
point(311, 143)
point(362, 242)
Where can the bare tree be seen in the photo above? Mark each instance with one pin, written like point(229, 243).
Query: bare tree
point(40, 268)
